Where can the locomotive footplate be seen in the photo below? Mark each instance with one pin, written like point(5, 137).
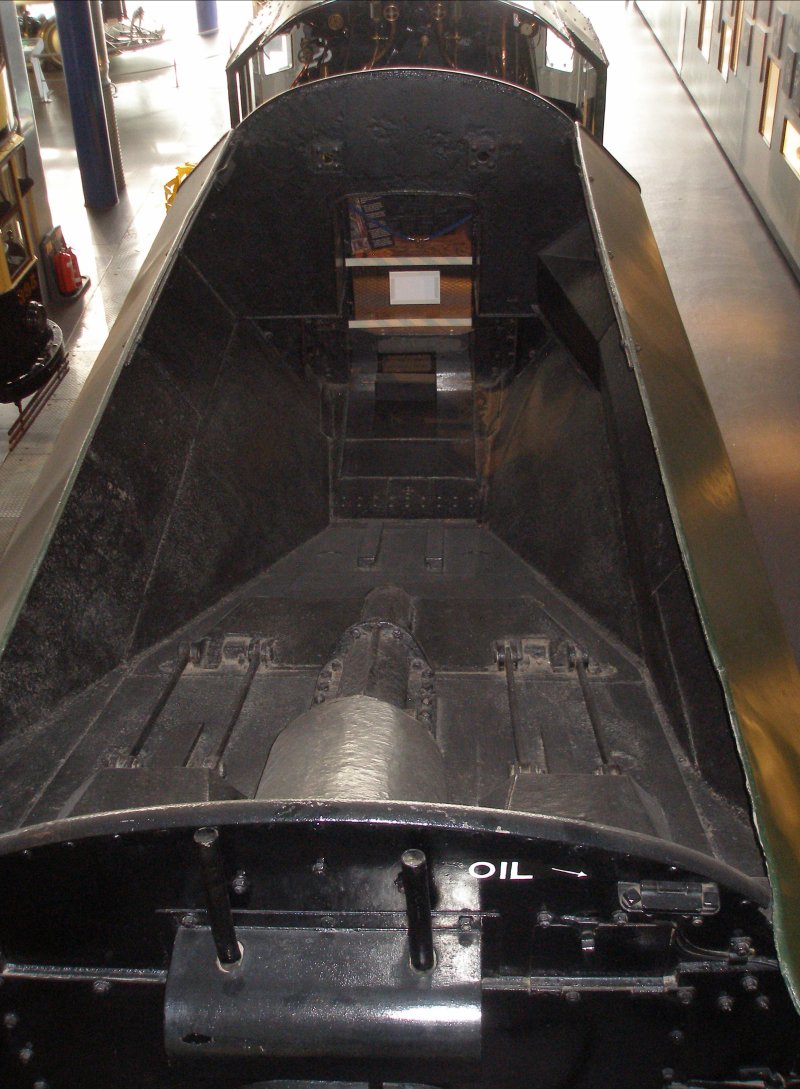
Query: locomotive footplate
point(312, 992)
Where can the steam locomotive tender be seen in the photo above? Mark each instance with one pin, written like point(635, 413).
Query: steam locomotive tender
point(394, 689)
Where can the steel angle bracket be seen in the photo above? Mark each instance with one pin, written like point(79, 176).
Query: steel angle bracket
point(302, 992)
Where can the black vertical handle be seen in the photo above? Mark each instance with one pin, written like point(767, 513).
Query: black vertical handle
point(418, 909)
point(219, 906)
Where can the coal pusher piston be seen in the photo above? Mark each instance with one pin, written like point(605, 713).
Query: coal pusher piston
point(357, 983)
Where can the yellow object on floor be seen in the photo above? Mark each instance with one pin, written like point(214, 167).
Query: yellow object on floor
point(174, 184)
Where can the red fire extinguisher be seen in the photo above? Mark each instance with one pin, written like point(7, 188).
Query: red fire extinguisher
point(68, 273)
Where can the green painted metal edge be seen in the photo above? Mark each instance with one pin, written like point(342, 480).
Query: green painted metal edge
point(743, 627)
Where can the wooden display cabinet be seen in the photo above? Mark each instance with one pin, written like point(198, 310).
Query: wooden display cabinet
point(415, 285)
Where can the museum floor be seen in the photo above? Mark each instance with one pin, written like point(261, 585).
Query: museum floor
point(737, 296)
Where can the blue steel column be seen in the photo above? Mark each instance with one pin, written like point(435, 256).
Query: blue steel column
point(75, 31)
point(207, 20)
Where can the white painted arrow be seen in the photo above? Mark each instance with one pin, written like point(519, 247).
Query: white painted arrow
point(572, 873)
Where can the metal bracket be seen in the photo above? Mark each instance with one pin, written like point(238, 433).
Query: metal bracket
point(679, 897)
point(326, 156)
point(231, 653)
point(367, 996)
point(483, 150)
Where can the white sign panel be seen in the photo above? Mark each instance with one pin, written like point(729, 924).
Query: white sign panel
point(414, 288)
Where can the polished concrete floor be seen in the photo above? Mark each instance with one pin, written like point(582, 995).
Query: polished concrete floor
point(738, 299)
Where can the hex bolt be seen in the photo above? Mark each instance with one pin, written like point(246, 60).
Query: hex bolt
point(686, 995)
point(41, 1084)
point(749, 983)
point(544, 918)
point(620, 918)
point(465, 922)
point(11, 1020)
point(572, 997)
point(762, 1002)
point(240, 884)
point(319, 866)
point(741, 947)
point(101, 986)
point(697, 920)
point(26, 1054)
point(725, 1003)
point(190, 921)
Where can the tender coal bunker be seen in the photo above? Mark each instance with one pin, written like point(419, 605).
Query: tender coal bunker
point(437, 426)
